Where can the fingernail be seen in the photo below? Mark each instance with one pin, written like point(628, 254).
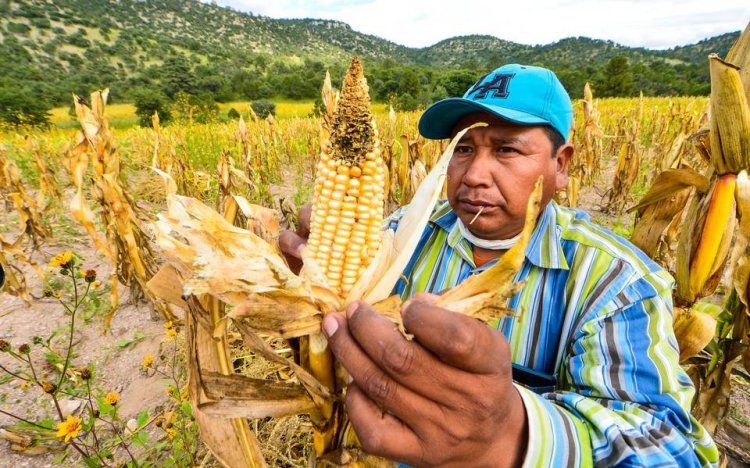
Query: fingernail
point(351, 309)
point(330, 325)
point(349, 379)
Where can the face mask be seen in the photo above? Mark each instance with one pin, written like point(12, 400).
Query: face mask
point(495, 244)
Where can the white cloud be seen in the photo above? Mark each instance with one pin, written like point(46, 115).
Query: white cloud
point(420, 23)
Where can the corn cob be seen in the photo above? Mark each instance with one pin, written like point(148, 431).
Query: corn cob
point(705, 247)
point(347, 213)
point(720, 214)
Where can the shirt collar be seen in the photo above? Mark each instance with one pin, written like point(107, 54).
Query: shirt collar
point(445, 218)
point(544, 249)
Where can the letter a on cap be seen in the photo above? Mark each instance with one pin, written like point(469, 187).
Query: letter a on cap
point(498, 84)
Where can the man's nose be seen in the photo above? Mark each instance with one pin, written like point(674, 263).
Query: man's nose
point(478, 173)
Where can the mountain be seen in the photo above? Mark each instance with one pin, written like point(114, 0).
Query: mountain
point(52, 48)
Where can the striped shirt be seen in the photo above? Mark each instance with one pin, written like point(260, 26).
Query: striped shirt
point(596, 313)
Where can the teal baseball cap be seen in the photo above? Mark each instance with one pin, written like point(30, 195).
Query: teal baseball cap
point(521, 94)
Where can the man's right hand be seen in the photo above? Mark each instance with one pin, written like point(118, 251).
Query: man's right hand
point(291, 242)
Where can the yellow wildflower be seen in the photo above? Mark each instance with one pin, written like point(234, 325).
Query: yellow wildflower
point(112, 398)
point(148, 360)
point(168, 325)
point(57, 294)
point(171, 333)
point(69, 429)
point(171, 433)
point(61, 260)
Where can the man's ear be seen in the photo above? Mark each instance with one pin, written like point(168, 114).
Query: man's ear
point(564, 155)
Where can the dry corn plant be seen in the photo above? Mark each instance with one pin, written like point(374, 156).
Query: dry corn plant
point(213, 264)
point(707, 227)
point(11, 256)
point(261, 156)
point(48, 186)
point(158, 147)
point(262, 221)
point(252, 166)
point(411, 167)
point(628, 163)
point(124, 242)
point(730, 155)
point(588, 152)
point(30, 227)
point(388, 143)
point(31, 221)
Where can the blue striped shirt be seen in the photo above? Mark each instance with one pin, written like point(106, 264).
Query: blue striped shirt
point(595, 313)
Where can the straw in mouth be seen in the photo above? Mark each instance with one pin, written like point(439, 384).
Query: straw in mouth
point(481, 208)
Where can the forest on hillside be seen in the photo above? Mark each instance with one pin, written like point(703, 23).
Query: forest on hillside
point(157, 52)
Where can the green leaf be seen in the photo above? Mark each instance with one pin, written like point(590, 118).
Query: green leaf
point(54, 358)
point(124, 343)
point(130, 342)
point(140, 438)
point(104, 408)
point(142, 418)
point(6, 379)
point(88, 424)
point(186, 409)
point(49, 423)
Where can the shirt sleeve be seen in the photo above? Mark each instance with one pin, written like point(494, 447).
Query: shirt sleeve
point(623, 400)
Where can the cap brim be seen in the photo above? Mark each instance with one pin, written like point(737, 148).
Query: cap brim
point(439, 120)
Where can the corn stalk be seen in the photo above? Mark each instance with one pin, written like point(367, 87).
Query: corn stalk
point(628, 164)
point(124, 241)
point(730, 155)
point(31, 223)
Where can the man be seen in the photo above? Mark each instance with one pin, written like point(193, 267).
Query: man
point(592, 332)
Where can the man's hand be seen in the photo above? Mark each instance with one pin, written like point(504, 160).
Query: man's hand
point(291, 242)
point(443, 399)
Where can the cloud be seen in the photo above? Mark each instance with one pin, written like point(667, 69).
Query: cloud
point(420, 23)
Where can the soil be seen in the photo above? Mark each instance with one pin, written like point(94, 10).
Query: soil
point(116, 356)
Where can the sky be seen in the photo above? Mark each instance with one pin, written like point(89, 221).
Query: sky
point(654, 24)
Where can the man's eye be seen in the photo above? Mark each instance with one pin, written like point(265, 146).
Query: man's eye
point(506, 149)
point(462, 149)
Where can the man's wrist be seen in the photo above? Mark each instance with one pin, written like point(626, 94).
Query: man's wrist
point(509, 449)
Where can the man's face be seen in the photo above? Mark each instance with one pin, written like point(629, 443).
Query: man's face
point(494, 168)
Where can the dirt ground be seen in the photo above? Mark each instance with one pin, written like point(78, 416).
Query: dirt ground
point(117, 356)
point(135, 332)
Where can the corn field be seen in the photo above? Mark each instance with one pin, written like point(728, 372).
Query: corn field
point(188, 217)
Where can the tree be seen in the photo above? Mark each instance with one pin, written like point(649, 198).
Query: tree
point(19, 106)
point(149, 100)
point(176, 76)
point(457, 82)
point(617, 79)
point(263, 108)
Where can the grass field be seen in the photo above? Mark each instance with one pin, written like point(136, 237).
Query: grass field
point(123, 115)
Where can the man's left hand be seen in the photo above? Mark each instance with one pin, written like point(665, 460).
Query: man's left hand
point(444, 398)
